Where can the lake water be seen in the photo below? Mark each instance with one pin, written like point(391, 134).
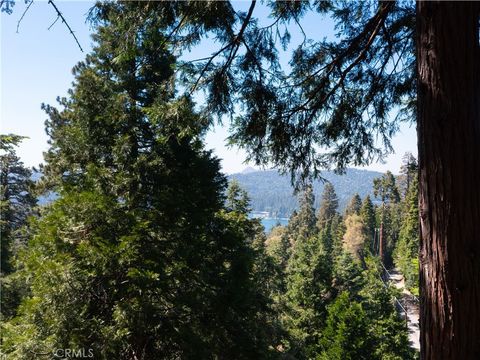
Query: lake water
point(269, 223)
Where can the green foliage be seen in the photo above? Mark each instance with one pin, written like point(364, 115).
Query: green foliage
point(354, 206)
point(336, 305)
point(388, 330)
point(367, 212)
point(139, 257)
point(272, 192)
point(278, 245)
point(406, 252)
point(328, 205)
point(17, 203)
point(308, 292)
point(302, 223)
point(408, 172)
point(344, 334)
point(146, 254)
point(355, 236)
point(16, 198)
point(386, 189)
point(237, 198)
point(390, 219)
point(331, 106)
point(337, 231)
point(347, 274)
point(362, 322)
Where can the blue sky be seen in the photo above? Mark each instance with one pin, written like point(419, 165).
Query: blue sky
point(36, 67)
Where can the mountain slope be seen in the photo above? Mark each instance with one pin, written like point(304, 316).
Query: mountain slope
point(269, 191)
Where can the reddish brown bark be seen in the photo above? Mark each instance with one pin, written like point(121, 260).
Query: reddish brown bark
point(380, 251)
point(448, 55)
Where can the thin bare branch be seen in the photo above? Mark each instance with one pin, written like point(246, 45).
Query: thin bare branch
point(21, 18)
point(295, 18)
point(65, 22)
point(58, 17)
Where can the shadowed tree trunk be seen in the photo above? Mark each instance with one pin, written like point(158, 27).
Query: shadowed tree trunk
point(449, 153)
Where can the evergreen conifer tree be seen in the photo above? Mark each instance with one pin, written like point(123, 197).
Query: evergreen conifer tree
point(237, 198)
point(384, 335)
point(406, 252)
point(367, 213)
point(408, 171)
point(328, 205)
point(308, 291)
point(355, 236)
point(302, 223)
point(17, 203)
point(138, 258)
point(17, 200)
point(385, 188)
point(354, 206)
point(344, 336)
point(336, 103)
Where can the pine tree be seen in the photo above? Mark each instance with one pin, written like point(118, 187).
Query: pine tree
point(386, 328)
point(17, 199)
point(346, 333)
point(17, 203)
point(308, 291)
point(306, 213)
point(367, 213)
point(382, 334)
point(337, 230)
point(408, 171)
point(385, 188)
point(278, 245)
point(328, 205)
point(347, 275)
point(354, 206)
point(237, 198)
point(302, 222)
point(138, 258)
point(355, 236)
point(406, 252)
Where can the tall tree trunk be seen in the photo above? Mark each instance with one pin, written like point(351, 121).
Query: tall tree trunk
point(449, 158)
point(380, 247)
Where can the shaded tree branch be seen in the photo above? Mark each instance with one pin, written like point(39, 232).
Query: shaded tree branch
point(373, 27)
point(235, 42)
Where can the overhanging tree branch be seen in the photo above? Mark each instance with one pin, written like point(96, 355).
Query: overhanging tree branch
point(234, 45)
point(371, 30)
point(60, 15)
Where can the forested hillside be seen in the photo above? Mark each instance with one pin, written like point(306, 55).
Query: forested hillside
point(314, 289)
point(269, 191)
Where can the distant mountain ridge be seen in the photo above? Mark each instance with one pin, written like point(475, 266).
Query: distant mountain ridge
point(269, 191)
